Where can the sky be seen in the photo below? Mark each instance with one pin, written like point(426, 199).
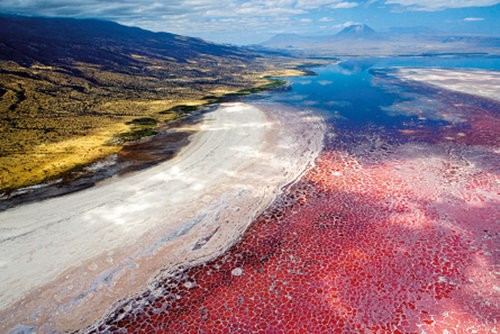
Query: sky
point(248, 22)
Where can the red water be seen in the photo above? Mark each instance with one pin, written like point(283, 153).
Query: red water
point(384, 238)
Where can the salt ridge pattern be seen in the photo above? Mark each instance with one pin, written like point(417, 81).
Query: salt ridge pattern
point(392, 231)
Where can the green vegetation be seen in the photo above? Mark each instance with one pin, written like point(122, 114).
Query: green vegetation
point(140, 128)
point(136, 135)
point(275, 83)
point(181, 109)
point(145, 121)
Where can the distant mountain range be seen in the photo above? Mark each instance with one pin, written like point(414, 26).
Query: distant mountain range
point(360, 39)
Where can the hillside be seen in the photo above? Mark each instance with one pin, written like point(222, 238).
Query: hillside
point(62, 41)
point(73, 91)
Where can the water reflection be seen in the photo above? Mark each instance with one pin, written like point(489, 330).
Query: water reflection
point(362, 93)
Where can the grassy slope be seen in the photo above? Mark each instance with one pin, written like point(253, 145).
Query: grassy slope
point(70, 90)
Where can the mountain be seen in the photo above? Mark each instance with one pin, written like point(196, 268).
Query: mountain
point(357, 31)
point(283, 39)
point(354, 32)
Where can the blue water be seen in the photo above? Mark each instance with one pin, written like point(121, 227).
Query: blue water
point(356, 93)
point(451, 61)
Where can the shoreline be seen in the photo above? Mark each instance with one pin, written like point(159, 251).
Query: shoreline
point(136, 155)
point(66, 169)
point(133, 157)
point(114, 238)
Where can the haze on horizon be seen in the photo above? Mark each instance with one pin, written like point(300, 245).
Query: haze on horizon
point(247, 22)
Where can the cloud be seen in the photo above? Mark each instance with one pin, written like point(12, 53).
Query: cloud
point(221, 20)
point(240, 21)
point(345, 24)
point(344, 5)
point(435, 5)
point(313, 4)
point(472, 19)
point(244, 21)
point(113, 9)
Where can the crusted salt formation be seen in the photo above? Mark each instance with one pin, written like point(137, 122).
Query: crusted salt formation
point(64, 261)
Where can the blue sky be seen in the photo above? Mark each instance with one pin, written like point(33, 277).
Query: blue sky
point(245, 22)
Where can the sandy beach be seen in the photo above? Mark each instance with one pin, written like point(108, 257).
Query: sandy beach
point(475, 82)
point(65, 261)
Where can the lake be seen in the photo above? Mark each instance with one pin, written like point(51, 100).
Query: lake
point(350, 95)
point(394, 229)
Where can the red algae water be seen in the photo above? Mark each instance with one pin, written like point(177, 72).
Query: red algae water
point(394, 230)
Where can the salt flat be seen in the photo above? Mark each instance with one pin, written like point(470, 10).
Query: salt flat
point(475, 82)
point(65, 261)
